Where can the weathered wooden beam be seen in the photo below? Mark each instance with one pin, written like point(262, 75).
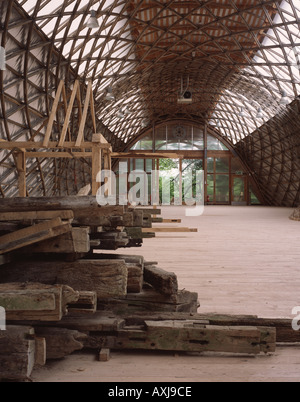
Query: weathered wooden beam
point(33, 234)
point(284, 331)
point(86, 304)
point(35, 301)
point(162, 281)
point(188, 336)
point(135, 278)
point(40, 351)
point(17, 352)
point(75, 241)
point(106, 277)
point(53, 113)
point(171, 221)
point(142, 155)
point(52, 145)
point(151, 300)
point(80, 136)
point(86, 209)
point(58, 155)
point(68, 113)
point(35, 216)
point(101, 321)
point(21, 168)
point(96, 163)
point(60, 342)
point(168, 230)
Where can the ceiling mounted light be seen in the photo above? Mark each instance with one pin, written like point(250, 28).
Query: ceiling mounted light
point(2, 58)
point(284, 99)
point(109, 95)
point(260, 114)
point(242, 112)
point(92, 21)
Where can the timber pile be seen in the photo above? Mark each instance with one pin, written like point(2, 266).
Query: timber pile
point(51, 269)
point(61, 292)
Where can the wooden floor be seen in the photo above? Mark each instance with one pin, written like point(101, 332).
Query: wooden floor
point(243, 260)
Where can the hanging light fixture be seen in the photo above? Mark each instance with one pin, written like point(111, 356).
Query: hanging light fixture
point(242, 112)
point(109, 95)
point(284, 99)
point(92, 21)
point(2, 58)
point(260, 114)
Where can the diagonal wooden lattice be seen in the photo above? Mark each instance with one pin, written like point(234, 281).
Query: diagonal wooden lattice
point(234, 54)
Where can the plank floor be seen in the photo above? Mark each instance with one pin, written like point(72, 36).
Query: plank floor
point(243, 260)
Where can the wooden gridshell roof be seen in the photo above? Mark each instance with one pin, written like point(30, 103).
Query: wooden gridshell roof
point(235, 57)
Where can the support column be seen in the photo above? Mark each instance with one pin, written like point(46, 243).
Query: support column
point(96, 162)
point(21, 167)
point(107, 166)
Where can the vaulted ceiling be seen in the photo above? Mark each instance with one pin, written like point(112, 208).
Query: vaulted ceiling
point(229, 54)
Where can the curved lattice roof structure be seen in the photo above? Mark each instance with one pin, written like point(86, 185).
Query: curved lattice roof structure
point(235, 57)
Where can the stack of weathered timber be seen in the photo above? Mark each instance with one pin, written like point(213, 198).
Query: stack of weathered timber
point(73, 224)
point(49, 270)
point(60, 294)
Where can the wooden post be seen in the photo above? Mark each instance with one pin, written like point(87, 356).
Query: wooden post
point(89, 94)
point(107, 166)
point(68, 114)
point(53, 113)
point(96, 162)
point(21, 167)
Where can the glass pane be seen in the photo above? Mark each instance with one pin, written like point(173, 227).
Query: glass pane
point(137, 146)
point(210, 187)
point(186, 140)
point(222, 189)
point(213, 144)
point(161, 138)
point(139, 164)
point(149, 165)
point(169, 165)
point(198, 140)
point(173, 146)
point(179, 137)
point(222, 165)
point(146, 143)
point(238, 189)
point(191, 188)
point(210, 165)
point(169, 187)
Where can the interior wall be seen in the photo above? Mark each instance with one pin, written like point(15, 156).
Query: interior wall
point(273, 154)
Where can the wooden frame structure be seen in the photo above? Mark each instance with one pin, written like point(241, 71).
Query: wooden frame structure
point(99, 150)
